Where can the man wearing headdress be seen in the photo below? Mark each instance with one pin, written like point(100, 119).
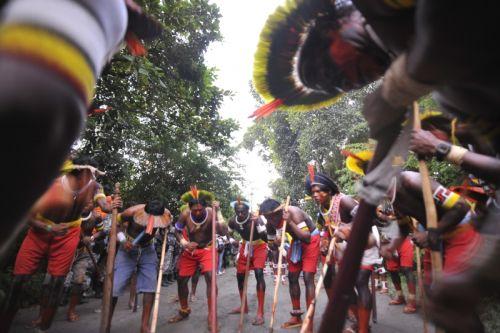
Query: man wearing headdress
point(137, 253)
point(54, 234)
point(335, 209)
point(51, 55)
point(196, 223)
point(303, 254)
point(256, 252)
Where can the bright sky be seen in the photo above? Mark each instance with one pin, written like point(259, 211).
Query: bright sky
point(241, 24)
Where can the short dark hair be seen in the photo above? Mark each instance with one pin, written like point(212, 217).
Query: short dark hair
point(86, 160)
point(155, 207)
point(199, 201)
point(268, 205)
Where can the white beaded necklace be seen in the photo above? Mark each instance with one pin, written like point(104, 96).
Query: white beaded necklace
point(329, 210)
point(245, 221)
point(199, 224)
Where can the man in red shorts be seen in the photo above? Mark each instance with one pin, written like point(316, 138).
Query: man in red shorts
point(257, 251)
point(197, 221)
point(303, 254)
point(399, 259)
point(54, 234)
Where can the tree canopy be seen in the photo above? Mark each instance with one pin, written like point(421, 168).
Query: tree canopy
point(164, 132)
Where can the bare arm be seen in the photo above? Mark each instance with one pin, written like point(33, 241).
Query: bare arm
point(295, 219)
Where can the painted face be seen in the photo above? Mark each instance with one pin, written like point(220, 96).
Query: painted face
point(198, 212)
point(320, 197)
point(241, 212)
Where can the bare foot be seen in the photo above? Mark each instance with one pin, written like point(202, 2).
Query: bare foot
point(193, 298)
point(292, 322)
point(72, 317)
point(258, 321)
point(35, 323)
point(237, 310)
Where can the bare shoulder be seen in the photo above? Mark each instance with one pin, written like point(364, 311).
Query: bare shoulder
point(348, 202)
point(297, 215)
point(129, 212)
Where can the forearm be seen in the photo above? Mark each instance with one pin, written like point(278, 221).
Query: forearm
point(483, 166)
point(302, 235)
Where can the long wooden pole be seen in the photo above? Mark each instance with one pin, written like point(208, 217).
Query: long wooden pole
point(419, 281)
point(245, 282)
point(213, 303)
point(335, 313)
point(156, 305)
point(430, 207)
point(280, 260)
point(324, 269)
point(108, 279)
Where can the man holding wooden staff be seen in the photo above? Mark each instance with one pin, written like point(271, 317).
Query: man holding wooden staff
point(54, 234)
point(137, 252)
point(256, 252)
point(334, 210)
point(197, 222)
point(303, 254)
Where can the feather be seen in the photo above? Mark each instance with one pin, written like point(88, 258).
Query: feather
point(134, 45)
point(267, 109)
point(310, 168)
point(347, 153)
point(194, 192)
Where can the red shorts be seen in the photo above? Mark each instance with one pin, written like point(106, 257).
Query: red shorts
point(59, 251)
point(310, 254)
point(189, 261)
point(257, 261)
point(405, 256)
point(459, 247)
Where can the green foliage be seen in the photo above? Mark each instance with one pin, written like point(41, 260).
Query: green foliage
point(164, 132)
point(291, 139)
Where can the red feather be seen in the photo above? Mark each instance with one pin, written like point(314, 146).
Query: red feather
point(194, 192)
point(267, 109)
point(134, 45)
point(347, 153)
point(310, 168)
point(99, 110)
point(150, 226)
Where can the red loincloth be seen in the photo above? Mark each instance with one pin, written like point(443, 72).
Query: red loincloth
point(59, 251)
point(460, 246)
point(189, 261)
point(405, 256)
point(257, 261)
point(310, 254)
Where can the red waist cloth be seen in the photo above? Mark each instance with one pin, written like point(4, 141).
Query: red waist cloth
point(59, 251)
point(460, 246)
point(189, 261)
point(258, 260)
point(405, 256)
point(310, 255)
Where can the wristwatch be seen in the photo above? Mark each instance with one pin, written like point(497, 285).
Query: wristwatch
point(442, 150)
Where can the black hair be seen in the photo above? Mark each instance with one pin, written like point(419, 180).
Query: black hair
point(268, 205)
point(85, 160)
point(324, 182)
point(154, 207)
point(200, 201)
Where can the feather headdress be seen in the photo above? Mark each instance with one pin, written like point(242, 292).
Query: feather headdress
point(294, 38)
point(357, 162)
point(150, 221)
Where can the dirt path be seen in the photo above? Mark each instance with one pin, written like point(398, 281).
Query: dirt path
point(390, 318)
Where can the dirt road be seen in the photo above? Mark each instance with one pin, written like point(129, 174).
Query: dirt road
point(390, 318)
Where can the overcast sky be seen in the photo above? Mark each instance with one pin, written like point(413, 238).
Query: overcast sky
point(241, 23)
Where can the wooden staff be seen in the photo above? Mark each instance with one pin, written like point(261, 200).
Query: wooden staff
point(324, 268)
point(110, 265)
point(430, 208)
point(419, 280)
point(156, 305)
point(374, 299)
point(280, 259)
point(245, 282)
point(335, 313)
point(213, 303)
